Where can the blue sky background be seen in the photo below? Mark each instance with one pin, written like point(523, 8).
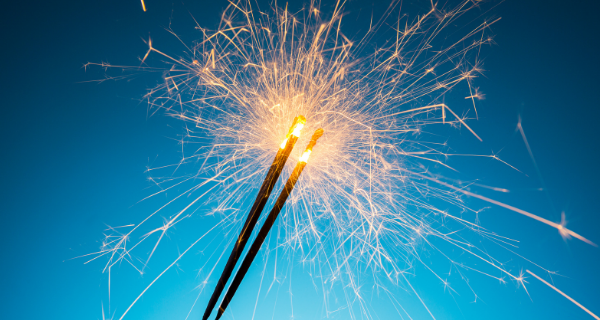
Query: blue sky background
point(74, 155)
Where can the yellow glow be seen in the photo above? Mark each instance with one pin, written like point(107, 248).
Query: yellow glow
point(305, 155)
point(143, 6)
point(282, 146)
point(295, 132)
point(297, 129)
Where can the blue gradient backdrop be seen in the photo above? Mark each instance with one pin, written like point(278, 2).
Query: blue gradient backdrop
point(73, 157)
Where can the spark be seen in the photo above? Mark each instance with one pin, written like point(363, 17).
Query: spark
point(564, 295)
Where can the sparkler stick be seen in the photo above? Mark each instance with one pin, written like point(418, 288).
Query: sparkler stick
point(261, 200)
point(264, 231)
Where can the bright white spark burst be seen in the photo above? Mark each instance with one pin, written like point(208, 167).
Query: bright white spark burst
point(364, 210)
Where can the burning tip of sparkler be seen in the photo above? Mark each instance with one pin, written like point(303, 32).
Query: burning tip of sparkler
point(295, 129)
point(297, 126)
point(305, 155)
point(318, 133)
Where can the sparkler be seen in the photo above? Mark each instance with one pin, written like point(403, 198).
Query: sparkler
point(264, 231)
point(374, 197)
point(261, 200)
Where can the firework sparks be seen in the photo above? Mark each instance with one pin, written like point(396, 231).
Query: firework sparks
point(367, 203)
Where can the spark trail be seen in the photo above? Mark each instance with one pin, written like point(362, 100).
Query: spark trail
point(564, 295)
point(370, 204)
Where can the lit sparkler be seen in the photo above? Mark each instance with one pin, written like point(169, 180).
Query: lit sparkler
point(268, 224)
point(367, 205)
point(261, 200)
